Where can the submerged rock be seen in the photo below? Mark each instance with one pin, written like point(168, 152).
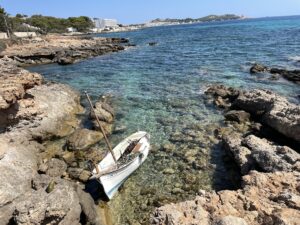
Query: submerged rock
point(258, 68)
point(152, 43)
point(292, 75)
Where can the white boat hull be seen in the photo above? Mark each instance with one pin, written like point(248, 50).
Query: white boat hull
point(111, 181)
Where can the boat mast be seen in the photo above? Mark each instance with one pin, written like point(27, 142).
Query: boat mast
point(101, 128)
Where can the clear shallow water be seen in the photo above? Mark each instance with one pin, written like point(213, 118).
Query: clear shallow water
point(160, 89)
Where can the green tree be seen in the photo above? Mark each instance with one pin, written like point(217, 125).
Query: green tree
point(4, 20)
point(82, 23)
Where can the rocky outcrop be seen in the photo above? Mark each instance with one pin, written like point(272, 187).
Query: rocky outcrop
point(269, 108)
point(105, 114)
point(14, 82)
point(265, 198)
point(41, 112)
point(292, 75)
point(274, 110)
point(252, 152)
point(61, 49)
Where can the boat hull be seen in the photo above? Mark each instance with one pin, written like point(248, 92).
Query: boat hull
point(112, 181)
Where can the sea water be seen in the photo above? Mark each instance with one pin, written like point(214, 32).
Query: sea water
point(160, 89)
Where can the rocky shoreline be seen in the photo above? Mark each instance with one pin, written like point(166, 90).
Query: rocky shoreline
point(45, 149)
point(61, 49)
point(270, 167)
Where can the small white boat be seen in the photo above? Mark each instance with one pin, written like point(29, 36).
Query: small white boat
point(134, 149)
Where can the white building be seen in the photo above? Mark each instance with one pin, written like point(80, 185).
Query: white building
point(105, 23)
point(71, 29)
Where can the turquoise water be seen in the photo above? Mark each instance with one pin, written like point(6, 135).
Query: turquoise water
point(160, 89)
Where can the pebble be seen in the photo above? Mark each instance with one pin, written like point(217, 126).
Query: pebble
point(168, 171)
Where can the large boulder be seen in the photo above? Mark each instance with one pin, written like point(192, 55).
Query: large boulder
point(60, 206)
point(58, 105)
point(232, 143)
point(253, 152)
point(270, 157)
point(82, 139)
point(103, 111)
point(273, 109)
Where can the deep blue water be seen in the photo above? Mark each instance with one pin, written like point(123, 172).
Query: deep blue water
point(160, 89)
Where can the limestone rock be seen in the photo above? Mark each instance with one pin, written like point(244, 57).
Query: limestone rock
point(271, 157)
point(60, 206)
point(241, 154)
point(275, 110)
point(82, 139)
point(14, 81)
point(56, 167)
point(265, 198)
point(103, 111)
point(231, 220)
point(61, 49)
point(239, 116)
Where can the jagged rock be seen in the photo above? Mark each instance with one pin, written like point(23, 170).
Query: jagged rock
point(65, 60)
point(74, 172)
point(241, 154)
point(292, 75)
point(85, 175)
point(231, 220)
point(237, 115)
point(223, 92)
point(40, 181)
point(56, 167)
point(103, 111)
point(274, 110)
point(82, 139)
point(260, 201)
point(88, 207)
point(271, 157)
point(60, 206)
point(14, 81)
point(258, 68)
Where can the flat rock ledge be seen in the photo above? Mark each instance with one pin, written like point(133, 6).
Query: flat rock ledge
point(31, 114)
point(63, 50)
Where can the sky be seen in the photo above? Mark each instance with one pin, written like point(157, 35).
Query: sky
point(138, 11)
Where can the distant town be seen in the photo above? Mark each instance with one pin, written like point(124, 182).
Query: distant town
point(24, 26)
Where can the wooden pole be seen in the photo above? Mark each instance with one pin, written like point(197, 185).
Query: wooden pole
point(101, 128)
